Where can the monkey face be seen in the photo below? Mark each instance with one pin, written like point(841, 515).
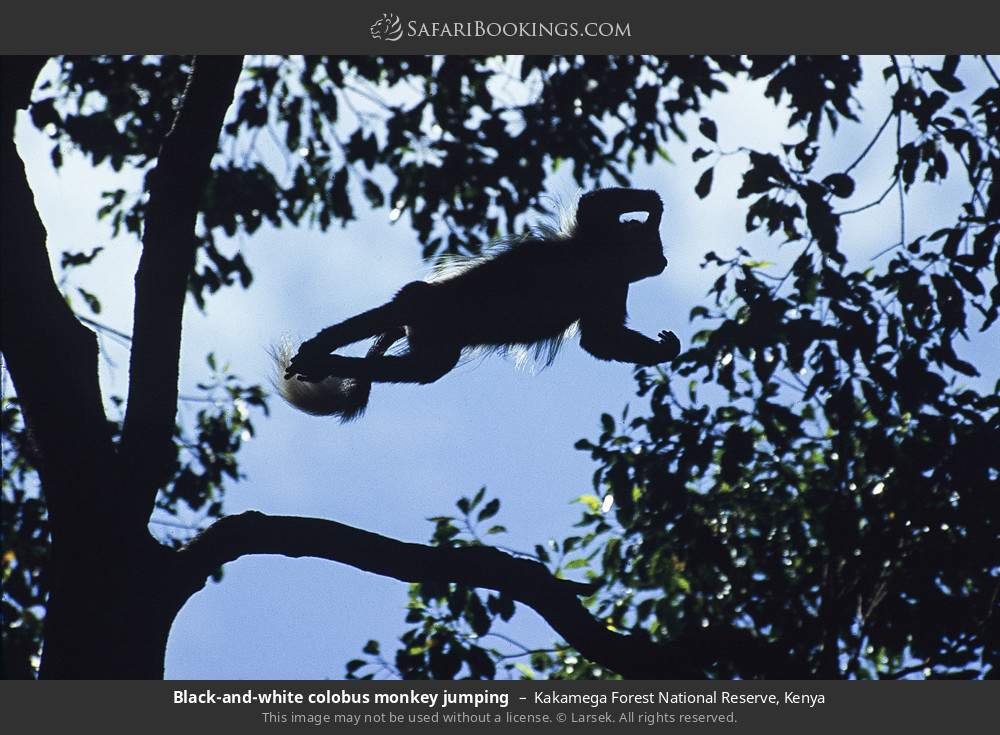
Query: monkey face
point(647, 264)
point(643, 251)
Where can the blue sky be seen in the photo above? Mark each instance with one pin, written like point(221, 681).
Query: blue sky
point(420, 447)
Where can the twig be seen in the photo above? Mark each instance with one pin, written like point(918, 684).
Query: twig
point(892, 185)
point(872, 143)
point(986, 60)
point(899, 169)
point(105, 328)
point(883, 251)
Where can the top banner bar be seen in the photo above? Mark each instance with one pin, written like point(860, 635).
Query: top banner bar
point(514, 26)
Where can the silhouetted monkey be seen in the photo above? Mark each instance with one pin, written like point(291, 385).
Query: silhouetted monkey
point(527, 294)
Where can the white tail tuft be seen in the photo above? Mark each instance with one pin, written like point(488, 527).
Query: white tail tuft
point(346, 398)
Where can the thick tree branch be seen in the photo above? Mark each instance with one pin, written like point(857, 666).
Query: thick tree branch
point(526, 581)
point(168, 257)
point(52, 358)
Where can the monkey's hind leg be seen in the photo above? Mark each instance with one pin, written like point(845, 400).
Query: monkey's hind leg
point(384, 321)
point(367, 324)
point(421, 366)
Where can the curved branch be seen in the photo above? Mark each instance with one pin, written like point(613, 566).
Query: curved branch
point(175, 186)
point(524, 580)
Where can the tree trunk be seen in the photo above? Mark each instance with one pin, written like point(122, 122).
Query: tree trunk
point(114, 590)
point(109, 614)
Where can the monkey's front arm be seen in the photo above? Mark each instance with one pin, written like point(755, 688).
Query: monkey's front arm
point(627, 345)
point(604, 335)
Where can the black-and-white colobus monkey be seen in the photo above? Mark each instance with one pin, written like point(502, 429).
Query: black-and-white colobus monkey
point(529, 293)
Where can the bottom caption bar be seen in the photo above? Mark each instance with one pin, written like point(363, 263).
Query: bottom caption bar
point(270, 707)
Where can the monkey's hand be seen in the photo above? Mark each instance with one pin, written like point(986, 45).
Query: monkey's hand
point(669, 344)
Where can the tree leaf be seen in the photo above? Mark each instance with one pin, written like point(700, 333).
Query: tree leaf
point(708, 128)
point(704, 185)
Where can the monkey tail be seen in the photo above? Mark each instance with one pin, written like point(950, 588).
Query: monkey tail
point(345, 398)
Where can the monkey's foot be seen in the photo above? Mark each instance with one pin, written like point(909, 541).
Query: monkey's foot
point(316, 368)
point(311, 368)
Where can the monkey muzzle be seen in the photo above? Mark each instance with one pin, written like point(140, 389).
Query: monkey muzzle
point(657, 265)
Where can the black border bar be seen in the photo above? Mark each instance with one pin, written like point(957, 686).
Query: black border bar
point(463, 27)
